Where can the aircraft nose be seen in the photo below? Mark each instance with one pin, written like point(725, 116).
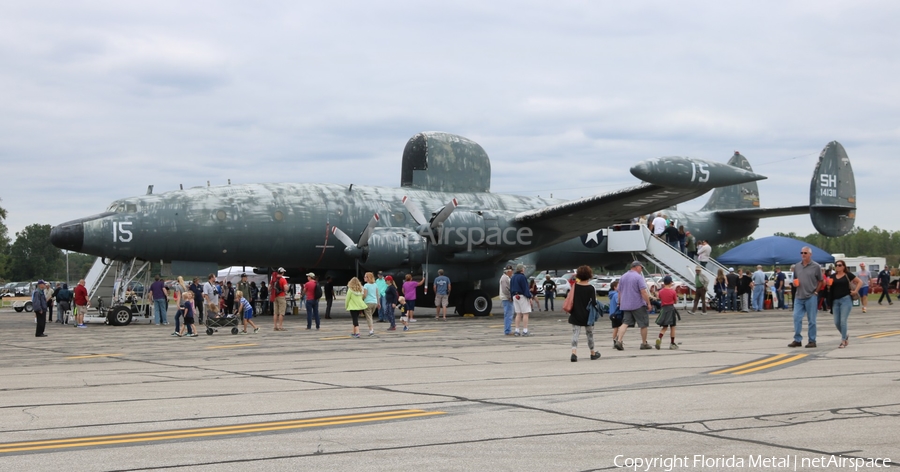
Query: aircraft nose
point(68, 235)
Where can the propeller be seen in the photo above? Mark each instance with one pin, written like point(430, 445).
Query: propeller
point(428, 227)
point(356, 249)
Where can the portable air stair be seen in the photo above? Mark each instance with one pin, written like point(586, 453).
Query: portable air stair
point(641, 242)
point(108, 284)
point(99, 280)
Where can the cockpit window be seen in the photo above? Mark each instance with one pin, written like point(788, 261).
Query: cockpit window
point(131, 208)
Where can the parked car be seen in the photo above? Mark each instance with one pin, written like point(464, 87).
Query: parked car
point(601, 284)
point(23, 289)
point(788, 280)
point(562, 287)
point(7, 290)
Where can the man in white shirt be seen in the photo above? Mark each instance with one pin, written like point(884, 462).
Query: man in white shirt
point(211, 296)
point(659, 224)
point(506, 301)
point(703, 252)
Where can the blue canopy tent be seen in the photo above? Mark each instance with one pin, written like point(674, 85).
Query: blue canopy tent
point(770, 251)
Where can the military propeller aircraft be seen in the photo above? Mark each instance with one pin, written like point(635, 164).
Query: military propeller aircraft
point(443, 216)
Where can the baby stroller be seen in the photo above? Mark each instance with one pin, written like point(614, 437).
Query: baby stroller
point(218, 320)
point(719, 299)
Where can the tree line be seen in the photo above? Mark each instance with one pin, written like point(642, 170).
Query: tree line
point(31, 256)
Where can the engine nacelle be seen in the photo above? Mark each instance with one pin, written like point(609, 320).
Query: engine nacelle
point(394, 247)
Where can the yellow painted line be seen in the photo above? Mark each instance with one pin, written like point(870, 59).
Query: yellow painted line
point(92, 356)
point(416, 331)
point(749, 364)
point(213, 431)
point(228, 346)
point(886, 335)
point(335, 337)
point(496, 326)
point(768, 366)
point(880, 335)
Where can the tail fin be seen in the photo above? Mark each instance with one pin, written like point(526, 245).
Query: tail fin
point(832, 192)
point(735, 197)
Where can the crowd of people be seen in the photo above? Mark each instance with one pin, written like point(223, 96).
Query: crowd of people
point(379, 298)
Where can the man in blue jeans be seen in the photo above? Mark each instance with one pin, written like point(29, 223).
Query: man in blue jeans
point(731, 285)
point(160, 295)
point(382, 305)
point(759, 288)
point(312, 303)
point(506, 301)
point(808, 274)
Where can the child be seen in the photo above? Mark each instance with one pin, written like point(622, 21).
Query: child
point(401, 307)
point(667, 313)
point(390, 300)
point(247, 310)
point(355, 304)
point(615, 314)
point(188, 316)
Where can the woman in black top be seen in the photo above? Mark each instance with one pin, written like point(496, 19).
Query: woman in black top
point(583, 292)
point(843, 285)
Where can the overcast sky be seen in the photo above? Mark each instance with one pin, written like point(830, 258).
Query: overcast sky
point(100, 99)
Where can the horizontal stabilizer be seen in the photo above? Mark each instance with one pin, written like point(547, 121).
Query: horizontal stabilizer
point(757, 213)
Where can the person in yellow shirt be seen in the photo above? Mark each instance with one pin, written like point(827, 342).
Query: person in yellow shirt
point(354, 303)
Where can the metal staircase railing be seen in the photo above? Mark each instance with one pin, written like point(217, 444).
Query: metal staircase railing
point(640, 241)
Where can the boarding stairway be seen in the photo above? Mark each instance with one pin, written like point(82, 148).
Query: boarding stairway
point(98, 279)
point(109, 285)
point(641, 242)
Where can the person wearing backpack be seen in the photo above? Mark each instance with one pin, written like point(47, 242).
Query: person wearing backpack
point(63, 304)
point(615, 313)
point(313, 294)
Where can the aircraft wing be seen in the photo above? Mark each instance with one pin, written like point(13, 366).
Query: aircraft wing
point(580, 216)
point(757, 213)
point(667, 181)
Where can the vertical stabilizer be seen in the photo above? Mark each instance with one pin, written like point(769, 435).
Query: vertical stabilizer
point(735, 197)
point(832, 192)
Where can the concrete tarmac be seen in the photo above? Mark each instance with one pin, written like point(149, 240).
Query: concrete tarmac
point(454, 395)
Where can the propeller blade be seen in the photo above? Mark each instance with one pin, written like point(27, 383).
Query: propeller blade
point(342, 237)
point(364, 237)
point(444, 214)
point(414, 210)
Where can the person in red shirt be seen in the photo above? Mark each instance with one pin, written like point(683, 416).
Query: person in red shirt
point(277, 294)
point(81, 304)
point(312, 303)
point(667, 314)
